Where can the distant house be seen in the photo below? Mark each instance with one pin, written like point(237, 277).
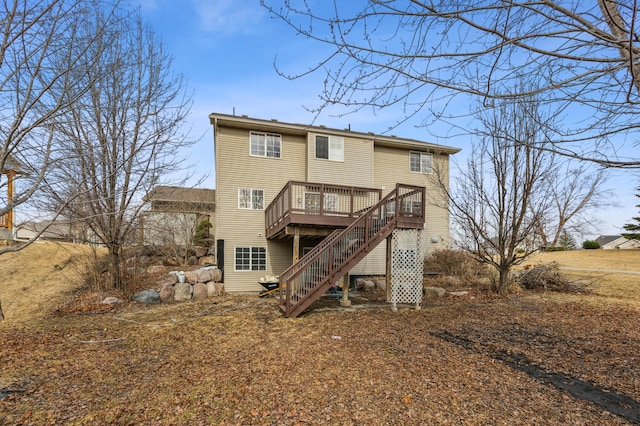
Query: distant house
point(609, 242)
point(63, 231)
point(175, 214)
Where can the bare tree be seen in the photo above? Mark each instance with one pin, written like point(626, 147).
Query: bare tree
point(574, 190)
point(501, 195)
point(44, 53)
point(122, 136)
point(420, 55)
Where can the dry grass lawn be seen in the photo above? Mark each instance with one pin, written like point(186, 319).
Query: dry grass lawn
point(481, 359)
point(597, 268)
point(35, 280)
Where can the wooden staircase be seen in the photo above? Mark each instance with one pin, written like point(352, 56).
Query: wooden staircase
point(308, 279)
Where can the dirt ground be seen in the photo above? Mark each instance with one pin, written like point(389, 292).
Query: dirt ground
point(526, 358)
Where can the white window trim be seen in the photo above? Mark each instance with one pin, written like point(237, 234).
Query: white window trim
point(426, 154)
point(252, 202)
point(251, 248)
point(265, 134)
point(334, 139)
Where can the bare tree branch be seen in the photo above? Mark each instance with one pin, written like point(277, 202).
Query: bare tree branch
point(421, 56)
point(122, 136)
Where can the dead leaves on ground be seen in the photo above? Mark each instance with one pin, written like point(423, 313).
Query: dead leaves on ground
point(239, 362)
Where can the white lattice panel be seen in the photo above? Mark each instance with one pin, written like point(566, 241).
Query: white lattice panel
point(407, 262)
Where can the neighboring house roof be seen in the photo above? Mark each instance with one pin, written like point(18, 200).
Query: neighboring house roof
point(276, 126)
point(12, 164)
point(58, 230)
point(177, 197)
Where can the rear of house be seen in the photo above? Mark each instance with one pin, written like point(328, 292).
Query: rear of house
point(283, 187)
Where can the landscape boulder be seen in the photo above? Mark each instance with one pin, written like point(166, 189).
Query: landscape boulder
point(111, 300)
point(149, 297)
point(199, 291)
point(166, 293)
point(207, 260)
point(200, 251)
point(202, 275)
point(191, 276)
point(215, 289)
point(433, 291)
point(182, 292)
point(155, 269)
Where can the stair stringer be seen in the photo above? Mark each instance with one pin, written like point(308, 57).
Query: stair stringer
point(339, 272)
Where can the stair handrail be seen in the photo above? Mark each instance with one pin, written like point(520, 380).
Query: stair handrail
point(310, 257)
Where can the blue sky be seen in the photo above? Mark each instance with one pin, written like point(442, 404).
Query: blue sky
point(226, 50)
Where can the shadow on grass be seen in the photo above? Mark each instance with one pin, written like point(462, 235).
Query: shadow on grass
point(612, 401)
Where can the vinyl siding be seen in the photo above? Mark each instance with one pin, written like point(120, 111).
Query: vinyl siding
point(391, 166)
point(363, 165)
point(235, 168)
point(356, 169)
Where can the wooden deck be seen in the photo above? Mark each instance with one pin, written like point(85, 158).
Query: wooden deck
point(317, 208)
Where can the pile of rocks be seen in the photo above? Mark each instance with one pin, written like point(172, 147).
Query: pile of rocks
point(182, 286)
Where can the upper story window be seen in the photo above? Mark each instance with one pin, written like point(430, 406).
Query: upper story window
point(420, 162)
point(265, 145)
point(250, 198)
point(330, 148)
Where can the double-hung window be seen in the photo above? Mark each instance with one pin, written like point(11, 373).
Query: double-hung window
point(265, 145)
point(250, 259)
point(420, 162)
point(330, 148)
point(250, 199)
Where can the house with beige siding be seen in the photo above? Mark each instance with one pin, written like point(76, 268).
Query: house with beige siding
point(283, 188)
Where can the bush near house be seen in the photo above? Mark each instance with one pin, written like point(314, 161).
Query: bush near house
point(590, 245)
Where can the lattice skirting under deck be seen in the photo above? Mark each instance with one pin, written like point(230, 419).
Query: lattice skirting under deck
point(407, 263)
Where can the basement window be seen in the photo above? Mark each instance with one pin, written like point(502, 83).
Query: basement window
point(250, 259)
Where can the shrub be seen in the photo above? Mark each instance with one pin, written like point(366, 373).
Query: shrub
point(202, 231)
point(556, 248)
point(590, 245)
point(454, 263)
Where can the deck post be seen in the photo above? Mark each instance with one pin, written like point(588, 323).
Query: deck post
point(388, 269)
point(345, 291)
point(296, 245)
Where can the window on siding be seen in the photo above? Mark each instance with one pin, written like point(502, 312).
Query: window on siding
point(250, 198)
point(265, 145)
point(312, 201)
point(251, 259)
point(420, 162)
point(330, 148)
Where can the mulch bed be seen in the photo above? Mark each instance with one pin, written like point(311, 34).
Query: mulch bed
point(526, 359)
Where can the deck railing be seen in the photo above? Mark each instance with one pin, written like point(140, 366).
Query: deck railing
point(308, 279)
point(317, 204)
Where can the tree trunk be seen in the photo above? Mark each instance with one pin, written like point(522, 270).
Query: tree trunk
point(115, 276)
point(503, 280)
